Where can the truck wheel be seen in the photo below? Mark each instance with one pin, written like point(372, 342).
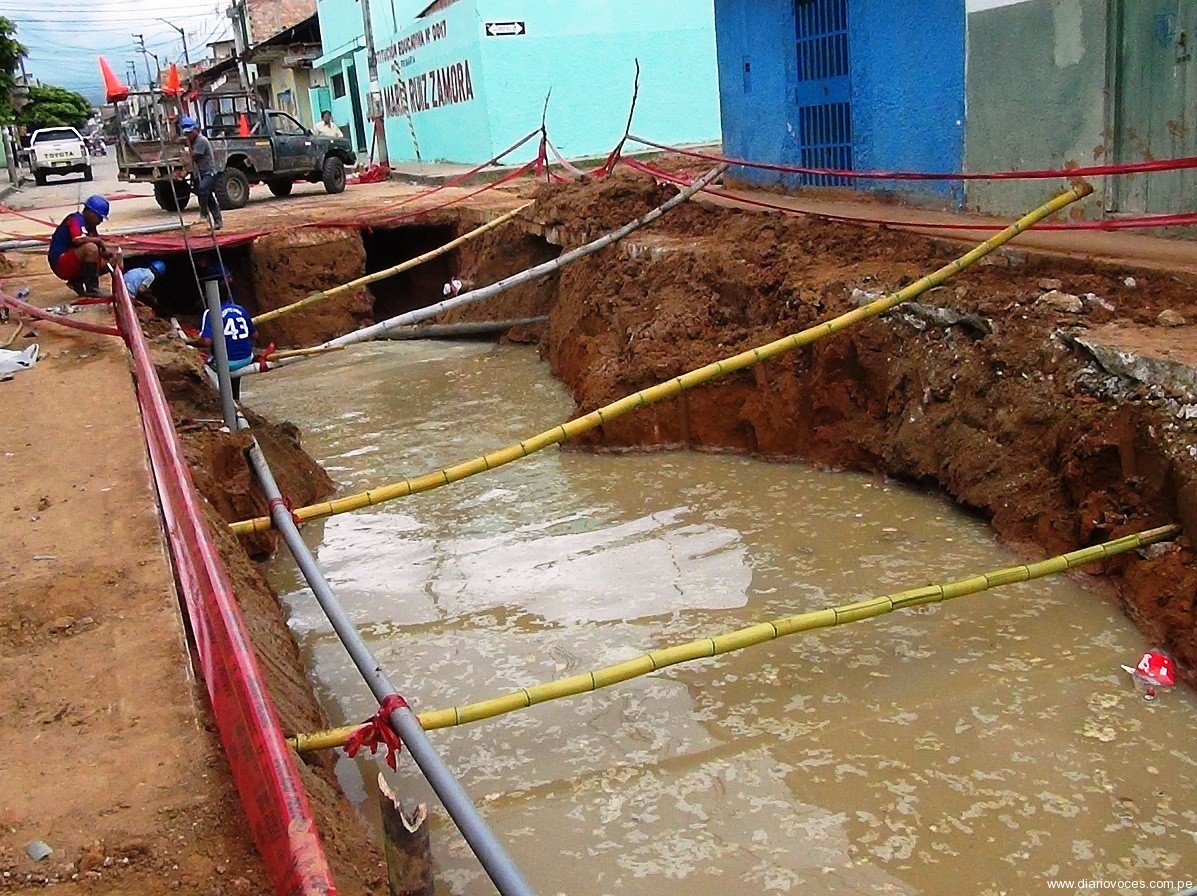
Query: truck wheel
point(39, 178)
point(334, 175)
point(232, 189)
point(281, 187)
point(87, 173)
point(171, 195)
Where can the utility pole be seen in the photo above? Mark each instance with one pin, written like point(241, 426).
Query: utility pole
point(183, 35)
point(374, 101)
point(139, 46)
point(131, 72)
point(236, 12)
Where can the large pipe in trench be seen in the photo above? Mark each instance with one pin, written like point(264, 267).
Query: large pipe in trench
point(456, 331)
point(494, 858)
point(42, 242)
point(379, 329)
point(220, 354)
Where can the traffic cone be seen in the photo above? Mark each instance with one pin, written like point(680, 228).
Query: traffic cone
point(114, 90)
point(243, 125)
point(172, 86)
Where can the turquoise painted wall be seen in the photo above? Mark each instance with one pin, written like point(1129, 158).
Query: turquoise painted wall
point(584, 52)
point(341, 43)
point(340, 24)
point(442, 87)
point(1036, 97)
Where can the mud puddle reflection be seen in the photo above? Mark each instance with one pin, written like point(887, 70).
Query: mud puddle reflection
point(985, 746)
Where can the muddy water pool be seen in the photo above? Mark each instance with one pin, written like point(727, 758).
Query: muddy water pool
point(985, 746)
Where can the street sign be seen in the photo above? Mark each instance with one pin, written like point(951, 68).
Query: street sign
point(506, 29)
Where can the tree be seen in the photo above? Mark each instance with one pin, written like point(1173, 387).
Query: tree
point(49, 107)
point(11, 52)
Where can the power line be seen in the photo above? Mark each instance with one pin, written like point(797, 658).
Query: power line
point(97, 26)
point(128, 9)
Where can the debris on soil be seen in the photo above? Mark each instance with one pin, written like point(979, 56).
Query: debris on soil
point(38, 850)
point(1170, 318)
point(1061, 301)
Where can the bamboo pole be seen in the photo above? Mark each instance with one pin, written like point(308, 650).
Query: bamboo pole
point(304, 352)
point(669, 388)
point(704, 648)
point(315, 297)
point(407, 844)
point(380, 329)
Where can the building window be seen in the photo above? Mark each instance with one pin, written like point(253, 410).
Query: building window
point(338, 84)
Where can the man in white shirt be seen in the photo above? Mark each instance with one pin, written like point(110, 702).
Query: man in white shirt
point(325, 127)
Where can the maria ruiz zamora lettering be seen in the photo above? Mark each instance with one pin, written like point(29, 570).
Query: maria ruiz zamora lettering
point(445, 86)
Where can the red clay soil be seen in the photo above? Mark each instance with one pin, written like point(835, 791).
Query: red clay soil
point(1017, 424)
point(108, 748)
point(291, 265)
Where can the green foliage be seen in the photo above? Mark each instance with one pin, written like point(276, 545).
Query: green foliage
point(11, 52)
point(54, 107)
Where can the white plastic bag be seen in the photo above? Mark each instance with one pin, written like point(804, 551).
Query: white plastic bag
point(14, 362)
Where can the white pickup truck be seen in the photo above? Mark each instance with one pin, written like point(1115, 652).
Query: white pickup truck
point(58, 151)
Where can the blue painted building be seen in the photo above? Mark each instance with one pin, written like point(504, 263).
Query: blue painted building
point(463, 79)
point(845, 84)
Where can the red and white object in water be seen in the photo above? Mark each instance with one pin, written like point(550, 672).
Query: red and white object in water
point(1156, 671)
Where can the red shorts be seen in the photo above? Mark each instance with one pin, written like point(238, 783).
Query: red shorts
point(68, 267)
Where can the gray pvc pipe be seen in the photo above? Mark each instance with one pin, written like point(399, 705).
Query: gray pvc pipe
point(449, 331)
point(128, 231)
point(477, 295)
point(494, 858)
point(220, 354)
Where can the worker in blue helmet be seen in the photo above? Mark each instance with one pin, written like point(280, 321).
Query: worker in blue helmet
point(76, 250)
point(203, 168)
point(139, 281)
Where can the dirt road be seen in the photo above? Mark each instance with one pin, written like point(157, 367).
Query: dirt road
point(104, 732)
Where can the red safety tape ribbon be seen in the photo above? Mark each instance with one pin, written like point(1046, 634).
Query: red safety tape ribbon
point(377, 732)
point(1140, 222)
point(287, 503)
point(1150, 165)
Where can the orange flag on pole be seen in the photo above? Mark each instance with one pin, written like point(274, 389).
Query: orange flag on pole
point(172, 86)
point(114, 90)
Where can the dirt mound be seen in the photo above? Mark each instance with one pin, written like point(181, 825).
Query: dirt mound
point(291, 265)
point(599, 205)
point(223, 476)
point(1001, 411)
point(217, 459)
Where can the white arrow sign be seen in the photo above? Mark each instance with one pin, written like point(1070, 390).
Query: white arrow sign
point(505, 29)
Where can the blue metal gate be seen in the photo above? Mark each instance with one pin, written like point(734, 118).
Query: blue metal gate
point(823, 94)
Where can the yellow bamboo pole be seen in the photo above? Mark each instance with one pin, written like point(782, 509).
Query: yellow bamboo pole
point(315, 297)
point(704, 648)
point(304, 352)
point(670, 388)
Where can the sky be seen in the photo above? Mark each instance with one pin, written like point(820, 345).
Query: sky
point(64, 38)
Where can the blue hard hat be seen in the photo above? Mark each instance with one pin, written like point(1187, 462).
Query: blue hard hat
point(97, 204)
point(158, 267)
point(187, 123)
